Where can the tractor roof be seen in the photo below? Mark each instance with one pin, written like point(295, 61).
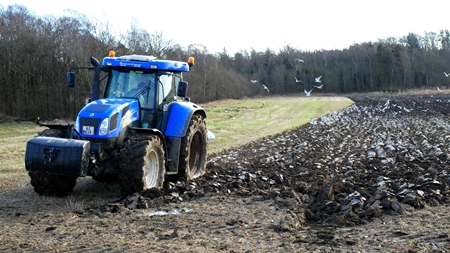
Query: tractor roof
point(145, 62)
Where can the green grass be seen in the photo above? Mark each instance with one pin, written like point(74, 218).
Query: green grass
point(13, 139)
point(237, 122)
point(10, 130)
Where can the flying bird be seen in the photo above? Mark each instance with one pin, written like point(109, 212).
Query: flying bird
point(299, 60)
point(308, 93)
point(254, 81)
point(319, 87)
point(318, 79)
point(265, 87)
point(296, 80)
point(446, 75)
point(437, 87)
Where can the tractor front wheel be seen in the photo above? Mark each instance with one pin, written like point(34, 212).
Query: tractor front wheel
point(143, 164)
point(52, 185)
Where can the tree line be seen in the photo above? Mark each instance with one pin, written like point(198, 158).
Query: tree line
point(38, 51)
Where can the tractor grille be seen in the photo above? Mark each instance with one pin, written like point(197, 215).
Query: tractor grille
point(90, 122)
point(125, 110)
point(113, 122)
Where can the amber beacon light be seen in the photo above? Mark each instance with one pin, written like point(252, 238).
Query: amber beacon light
point(191, 61)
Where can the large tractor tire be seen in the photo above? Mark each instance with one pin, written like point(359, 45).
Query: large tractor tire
point(193, 153)
point(143, 164)
point(50, 184)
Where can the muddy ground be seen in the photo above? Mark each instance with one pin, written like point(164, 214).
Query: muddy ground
point(373, 177)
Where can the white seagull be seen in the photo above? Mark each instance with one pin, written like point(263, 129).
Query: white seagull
point(296, 80)
point(254, 81)
point(318, 79)
point(437, 87)
point(211, 136)
point(319, 87)
point(300, 60)
point(446, 75)
point(265, 87)
point(308, 93)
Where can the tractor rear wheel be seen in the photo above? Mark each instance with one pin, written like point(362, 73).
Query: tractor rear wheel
point(50, 184)
point(193, 149)
point(142, 164)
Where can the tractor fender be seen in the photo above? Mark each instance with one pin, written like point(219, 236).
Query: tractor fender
point(153, 131)
point(179, 117)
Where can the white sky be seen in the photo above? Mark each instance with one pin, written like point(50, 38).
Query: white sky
point(244, 25)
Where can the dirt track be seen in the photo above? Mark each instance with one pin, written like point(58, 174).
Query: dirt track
point(373, 177)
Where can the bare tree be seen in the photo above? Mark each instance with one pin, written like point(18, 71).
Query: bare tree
point(140, 41)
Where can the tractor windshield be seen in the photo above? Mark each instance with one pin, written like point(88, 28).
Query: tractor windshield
point(155, 90)
point(125, 83)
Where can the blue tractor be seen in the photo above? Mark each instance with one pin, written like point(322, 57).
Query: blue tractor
point(142, 130)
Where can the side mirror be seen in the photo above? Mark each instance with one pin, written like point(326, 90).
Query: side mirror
point(70, 79)
point(182, 89)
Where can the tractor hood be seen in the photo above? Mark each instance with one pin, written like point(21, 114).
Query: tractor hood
point(105, 118)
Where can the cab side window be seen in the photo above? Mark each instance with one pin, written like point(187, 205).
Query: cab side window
point(176, 80)
point(168, 85)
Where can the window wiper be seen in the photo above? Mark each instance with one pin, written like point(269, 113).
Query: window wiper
point(142, 91)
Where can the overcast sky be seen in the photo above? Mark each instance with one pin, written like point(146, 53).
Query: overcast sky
point(244, 25)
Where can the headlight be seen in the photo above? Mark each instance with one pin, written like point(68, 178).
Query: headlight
point(77, 124)
point(104, 127)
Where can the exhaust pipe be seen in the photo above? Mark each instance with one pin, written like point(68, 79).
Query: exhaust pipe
point(95, 93)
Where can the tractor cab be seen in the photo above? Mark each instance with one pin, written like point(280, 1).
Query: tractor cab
point(156, 84)
point(155, 91)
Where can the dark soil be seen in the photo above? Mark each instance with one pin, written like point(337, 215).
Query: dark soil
point(373, 177)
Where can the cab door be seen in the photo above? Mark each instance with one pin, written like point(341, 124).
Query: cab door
point(167, 86)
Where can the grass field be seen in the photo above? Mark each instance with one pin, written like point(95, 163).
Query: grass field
point(234, 123)
point(13, 139)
